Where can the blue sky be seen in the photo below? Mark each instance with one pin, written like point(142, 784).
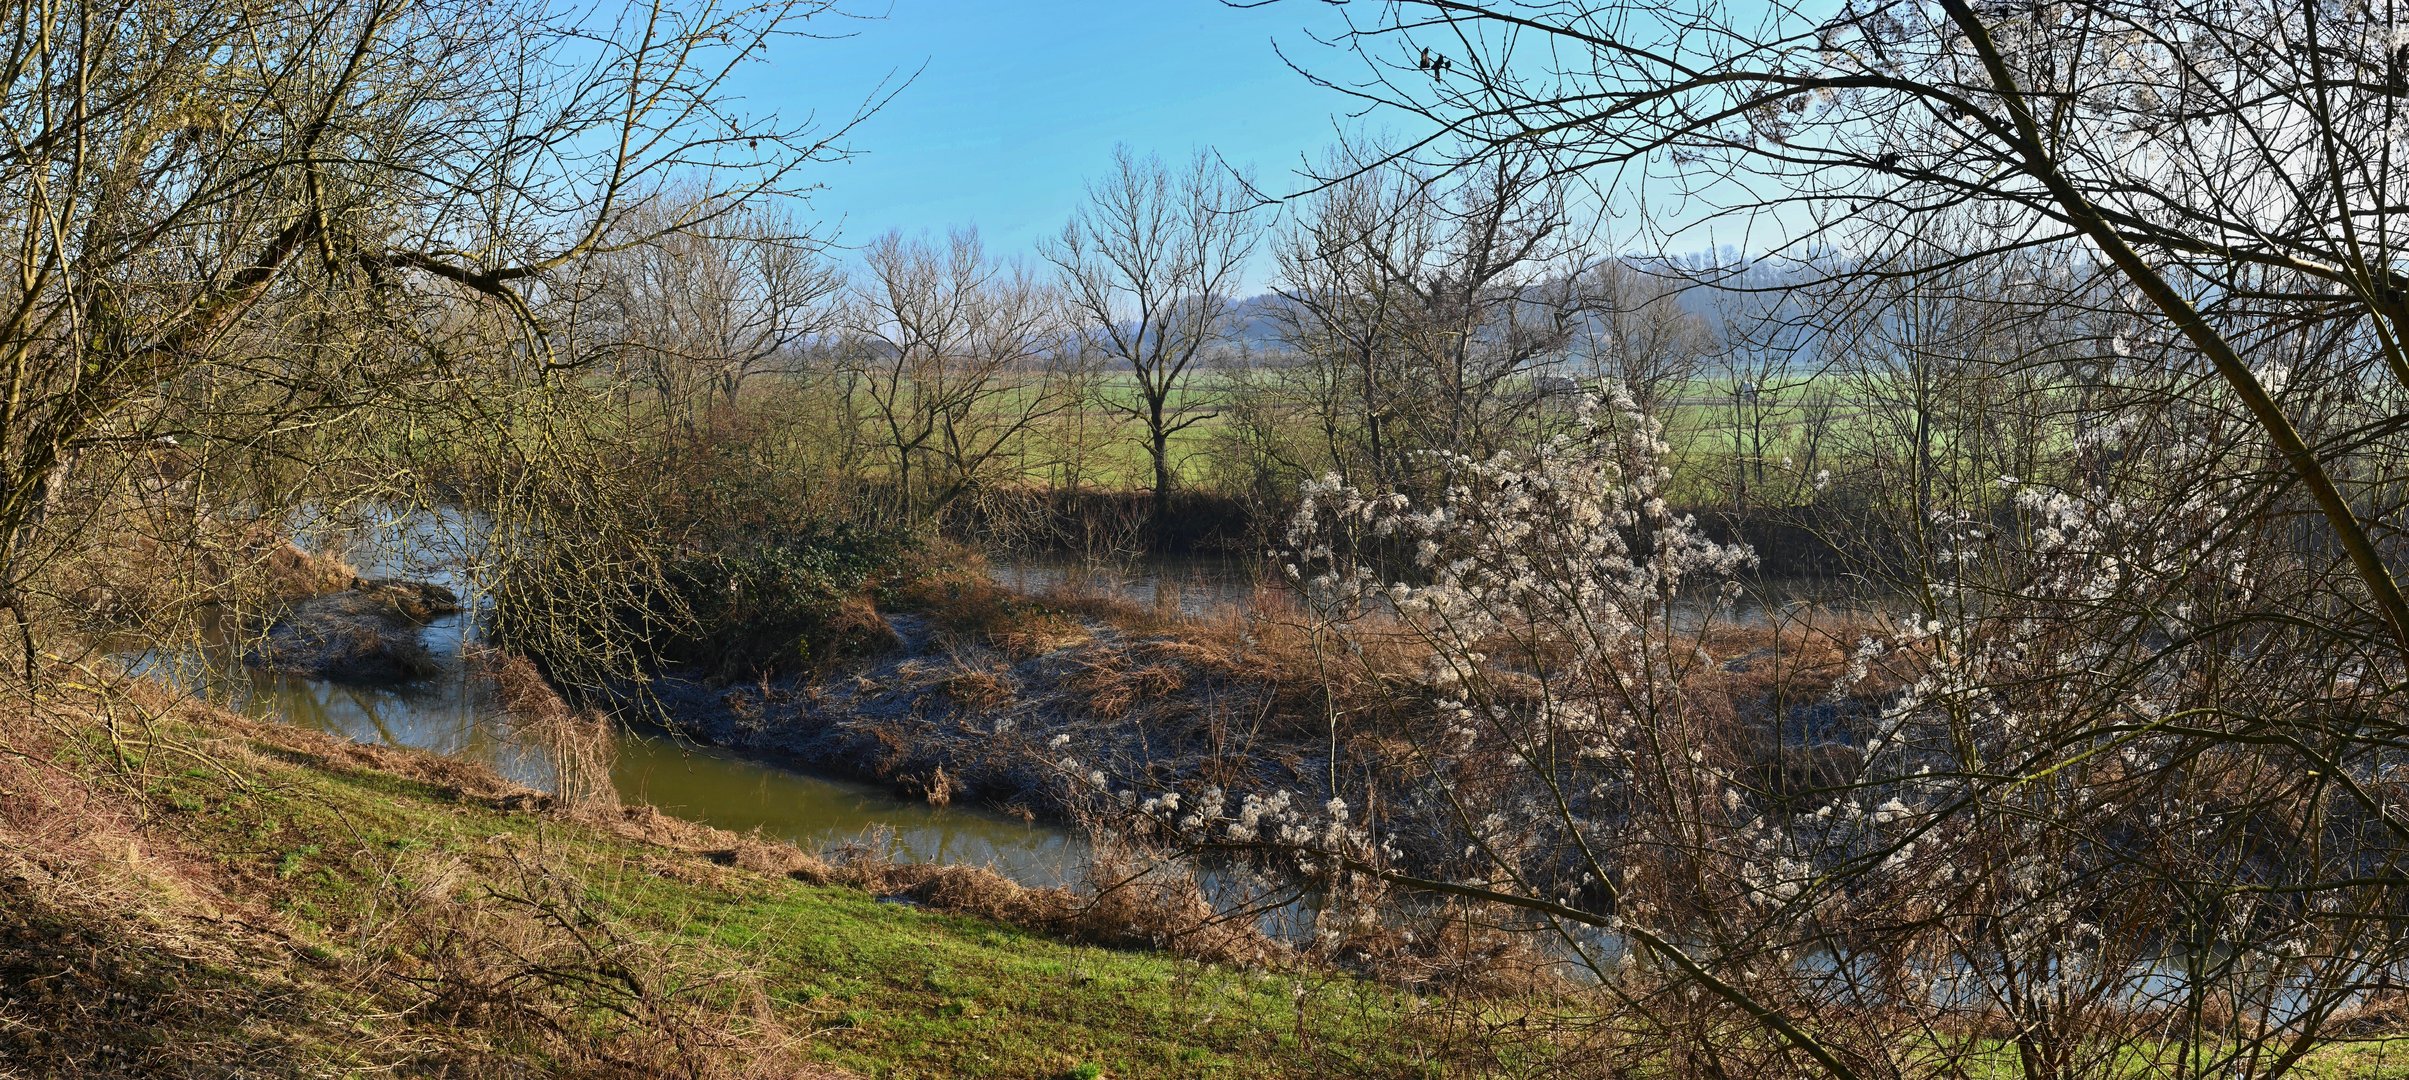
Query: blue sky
point(1021, 101)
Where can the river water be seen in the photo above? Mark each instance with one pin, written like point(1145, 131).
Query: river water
point(1203, 586)
point(458, 712)
point(1192, 586)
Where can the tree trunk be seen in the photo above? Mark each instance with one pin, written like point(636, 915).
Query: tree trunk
point(1159, 442)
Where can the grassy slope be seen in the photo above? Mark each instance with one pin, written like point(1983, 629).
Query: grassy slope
point(346, 908)
point(235, 897)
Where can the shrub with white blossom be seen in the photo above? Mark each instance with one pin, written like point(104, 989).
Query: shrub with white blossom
point(2081, 802)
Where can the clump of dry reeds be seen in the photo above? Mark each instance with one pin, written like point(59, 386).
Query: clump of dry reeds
point(967, 607)
point(1119, 906)
point(288, 571)
point(577, 745)
point(979, 688)
point(167, 566)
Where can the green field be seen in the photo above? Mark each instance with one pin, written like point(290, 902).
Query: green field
point(1699, 427)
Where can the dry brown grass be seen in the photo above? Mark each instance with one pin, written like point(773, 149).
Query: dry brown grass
point(1073, 598)
point(954, 589)
point(1798, 659)
point(111, 921)
point(577, 745)
point(940, 789)
point(1113, 681)
point(290, 572)
point(181, 989)
point(167, 563)
point(1122, 909)
point(980, 688)
point(1457, 949)
point(857, 629)
point(525, 959)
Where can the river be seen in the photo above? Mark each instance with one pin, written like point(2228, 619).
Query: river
point(458, 712)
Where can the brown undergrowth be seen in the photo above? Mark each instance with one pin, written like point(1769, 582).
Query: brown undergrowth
point(1263, 667)
point(955, 589)
point(144, 578)
point(1131, 911)
point(576, 744)
point(1120, 909)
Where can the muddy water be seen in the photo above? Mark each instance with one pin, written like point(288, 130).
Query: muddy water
point(816, 811)
point(457, 712)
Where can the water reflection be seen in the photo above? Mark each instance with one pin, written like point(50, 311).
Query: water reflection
point(451, 714)
point(1191, 585)
point(732, 793)
point(458, 713)
point(1208, 585)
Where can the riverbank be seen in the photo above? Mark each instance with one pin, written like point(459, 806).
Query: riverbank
point(986, 691)
point(1047, 702)
point(215, 891)
point(461, 709)
point(228, 888)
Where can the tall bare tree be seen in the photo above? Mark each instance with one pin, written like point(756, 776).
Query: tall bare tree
point(699, 312)
point(2231, 168)
point(2086, 808)
point(1435, 308)
point(1639, 337)
point(958, 358)
point(1151, 265)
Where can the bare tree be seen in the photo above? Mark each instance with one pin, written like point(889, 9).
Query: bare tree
point(1151, 265)
point(1433, 310)
point(2119, 787)
point(1762, 371)
point(235, 228)
point(1952, 380)
point(1639, 337)
point(958, 358)
point(698, 312)
point(2138, 135)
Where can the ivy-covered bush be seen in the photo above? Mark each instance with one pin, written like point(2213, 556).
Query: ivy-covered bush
point(779, 605)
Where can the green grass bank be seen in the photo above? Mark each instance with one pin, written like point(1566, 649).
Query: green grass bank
point(224, 897)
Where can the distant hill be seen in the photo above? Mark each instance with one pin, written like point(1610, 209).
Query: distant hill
point(1717, 293)
point(1258, 322)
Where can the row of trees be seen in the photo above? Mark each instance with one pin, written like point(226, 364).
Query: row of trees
point(2091, 312)
point(942, 360)
point(1409, 311)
